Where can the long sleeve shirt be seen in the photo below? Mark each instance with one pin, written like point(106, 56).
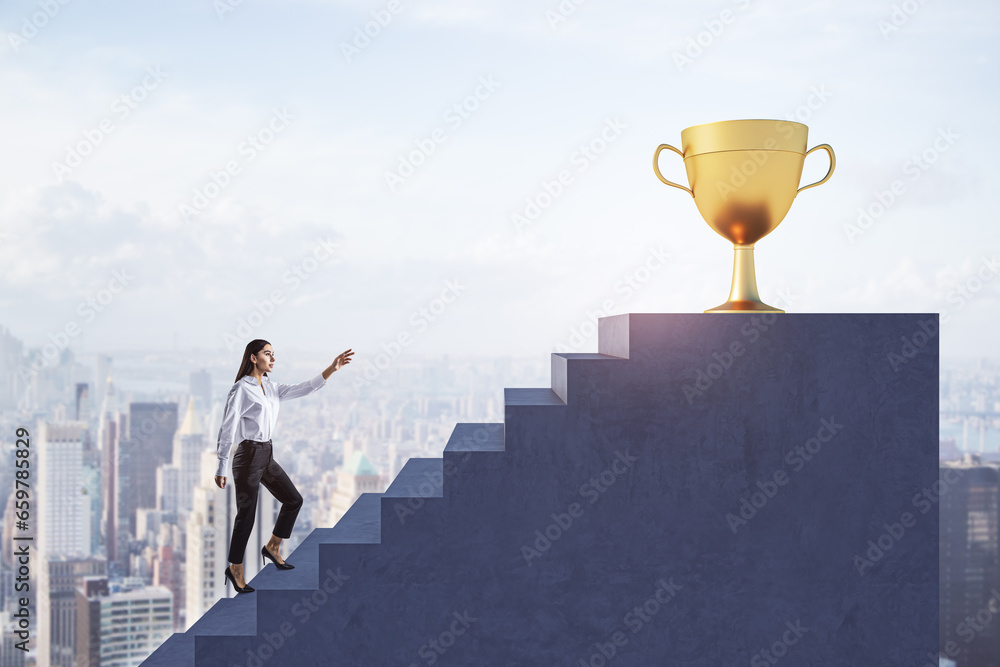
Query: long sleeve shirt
point(252, 411)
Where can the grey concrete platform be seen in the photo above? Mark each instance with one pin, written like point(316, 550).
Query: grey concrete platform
point(706, 489)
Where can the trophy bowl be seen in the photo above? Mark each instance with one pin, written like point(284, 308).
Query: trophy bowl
point(744, 176)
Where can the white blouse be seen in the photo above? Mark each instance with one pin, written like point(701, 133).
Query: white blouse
point(252, 411)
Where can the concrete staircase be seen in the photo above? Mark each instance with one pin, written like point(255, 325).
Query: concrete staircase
point(660, 504)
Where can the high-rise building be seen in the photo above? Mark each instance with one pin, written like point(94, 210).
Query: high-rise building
point(148, 523)
point(207, 542)
point(58, 579)
point(88, 620)
point(168, 572)
point(9, 517)
point(93, 483)
point(13, 634)
point(102, 375)
point(969, 564)
point(13, 382)
point(10, 654)
point(120, 628)
point(63, 528)
point(189, 443)
point(167, 492)
point(421, 432)
point(108, 411)
point(108, 433)
point(83, 407)
point(201, 388)
point(151, 428)
point(115, 502)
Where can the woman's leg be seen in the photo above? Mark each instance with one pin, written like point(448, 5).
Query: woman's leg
point(246, 481)
point(276, 481)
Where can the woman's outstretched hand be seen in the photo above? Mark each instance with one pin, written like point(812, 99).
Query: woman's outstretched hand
point(342, 360)
point(220, 481)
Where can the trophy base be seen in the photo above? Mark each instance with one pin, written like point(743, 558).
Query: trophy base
point(743, 307)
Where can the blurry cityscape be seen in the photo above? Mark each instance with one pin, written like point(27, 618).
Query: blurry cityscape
point(968, 490)
point(129, 535)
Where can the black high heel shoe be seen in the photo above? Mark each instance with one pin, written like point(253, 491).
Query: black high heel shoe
point(264, 553)
point(246, 589)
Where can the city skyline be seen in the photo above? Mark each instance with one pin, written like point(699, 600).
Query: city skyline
point(129, 517)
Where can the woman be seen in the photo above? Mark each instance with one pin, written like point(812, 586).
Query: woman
point(250, 416)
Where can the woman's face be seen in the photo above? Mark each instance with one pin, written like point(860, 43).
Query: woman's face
point(265, 359)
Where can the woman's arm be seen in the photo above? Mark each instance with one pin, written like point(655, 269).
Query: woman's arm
point(227, 433)
point(289, 391)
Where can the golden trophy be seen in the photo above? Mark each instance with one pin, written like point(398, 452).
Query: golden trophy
point(744, 175)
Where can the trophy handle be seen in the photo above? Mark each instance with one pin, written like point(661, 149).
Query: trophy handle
point(833, 165)
point(656, 167)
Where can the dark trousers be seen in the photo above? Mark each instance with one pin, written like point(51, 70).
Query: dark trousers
point(254, 465)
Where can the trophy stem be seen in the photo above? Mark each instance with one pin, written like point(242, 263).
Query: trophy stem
point(743, 294)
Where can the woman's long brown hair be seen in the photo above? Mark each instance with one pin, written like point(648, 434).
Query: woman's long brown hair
point(253, 348)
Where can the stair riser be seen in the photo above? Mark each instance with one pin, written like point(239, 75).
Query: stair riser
point(569, 375)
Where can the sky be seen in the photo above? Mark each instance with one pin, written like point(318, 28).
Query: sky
point(474, 178)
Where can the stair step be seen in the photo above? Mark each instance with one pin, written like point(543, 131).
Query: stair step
point(177, 651)
point(236, 616)
point(566, 364)
point(474, 449)
point(473, 437)
point(531, 396)
point(362, 524)
point(418, 478)
point(305, 576)
point(229, 616)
